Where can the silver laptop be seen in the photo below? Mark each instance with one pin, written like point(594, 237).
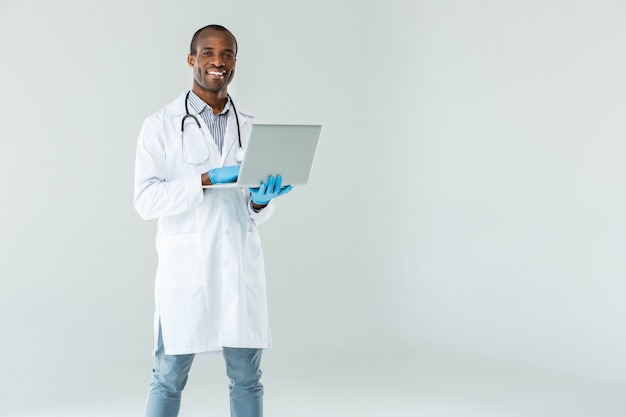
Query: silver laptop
point(288, 150)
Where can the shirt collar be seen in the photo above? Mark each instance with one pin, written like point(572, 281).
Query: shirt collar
point(198, 105)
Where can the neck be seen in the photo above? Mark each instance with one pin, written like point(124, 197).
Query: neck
point(217, 101)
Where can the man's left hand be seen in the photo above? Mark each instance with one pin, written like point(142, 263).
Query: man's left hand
point(262, 195)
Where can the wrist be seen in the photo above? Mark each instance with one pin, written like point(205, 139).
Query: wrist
point(257, 207)
point(206, 179)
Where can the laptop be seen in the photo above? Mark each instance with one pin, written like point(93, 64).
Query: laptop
point(288, 150)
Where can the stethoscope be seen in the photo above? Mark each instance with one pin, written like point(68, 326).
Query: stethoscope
point(238, 154)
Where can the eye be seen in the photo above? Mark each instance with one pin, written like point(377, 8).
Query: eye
point(207, 53)
point(229, 55)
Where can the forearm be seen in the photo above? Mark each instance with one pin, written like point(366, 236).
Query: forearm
point(155, 198)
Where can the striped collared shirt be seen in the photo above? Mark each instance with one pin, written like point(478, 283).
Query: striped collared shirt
point(215, 122)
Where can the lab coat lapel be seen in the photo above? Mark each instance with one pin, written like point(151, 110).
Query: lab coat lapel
point(231, 138)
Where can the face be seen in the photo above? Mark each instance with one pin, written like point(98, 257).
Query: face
point(214, 62)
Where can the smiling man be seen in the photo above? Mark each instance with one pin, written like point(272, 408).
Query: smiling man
point(210, 289)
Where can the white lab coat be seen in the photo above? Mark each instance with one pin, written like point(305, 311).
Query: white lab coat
point(210, 287)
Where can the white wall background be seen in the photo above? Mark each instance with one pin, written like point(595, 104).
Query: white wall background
point(468, 195)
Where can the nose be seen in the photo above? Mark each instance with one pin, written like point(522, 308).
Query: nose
point(217, 61)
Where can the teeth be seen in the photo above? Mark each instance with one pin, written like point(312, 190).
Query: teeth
point(216, 73)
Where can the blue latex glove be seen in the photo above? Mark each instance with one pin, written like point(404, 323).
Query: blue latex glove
point(267, 191)
point(224, 174)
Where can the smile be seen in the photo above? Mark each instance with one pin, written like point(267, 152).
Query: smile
point(216, 73)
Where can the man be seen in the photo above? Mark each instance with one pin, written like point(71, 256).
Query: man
point(210, 284)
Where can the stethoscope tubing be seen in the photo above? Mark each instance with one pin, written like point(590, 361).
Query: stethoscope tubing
point(195, 119)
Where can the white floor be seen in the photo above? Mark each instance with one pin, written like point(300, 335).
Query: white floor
point(329, 386)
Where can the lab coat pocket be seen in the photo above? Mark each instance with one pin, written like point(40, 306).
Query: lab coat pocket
point(180, 261)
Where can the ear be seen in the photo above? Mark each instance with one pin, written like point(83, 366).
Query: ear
point(191, 60)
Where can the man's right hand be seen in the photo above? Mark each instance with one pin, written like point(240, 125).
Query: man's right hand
point(224, 174)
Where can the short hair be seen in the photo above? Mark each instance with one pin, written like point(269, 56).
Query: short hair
point(194, 39)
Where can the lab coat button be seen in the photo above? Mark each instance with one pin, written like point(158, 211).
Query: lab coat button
point(227, 232)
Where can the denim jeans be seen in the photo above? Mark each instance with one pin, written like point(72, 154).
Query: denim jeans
point(169, 377)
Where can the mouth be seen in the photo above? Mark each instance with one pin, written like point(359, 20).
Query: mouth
point(216, 74)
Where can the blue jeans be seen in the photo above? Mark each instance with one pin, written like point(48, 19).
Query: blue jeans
point(169, 377)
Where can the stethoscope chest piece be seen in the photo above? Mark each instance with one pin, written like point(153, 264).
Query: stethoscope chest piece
point(239, 156)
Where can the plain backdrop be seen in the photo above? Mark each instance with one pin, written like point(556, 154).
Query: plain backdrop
point(467, 199)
